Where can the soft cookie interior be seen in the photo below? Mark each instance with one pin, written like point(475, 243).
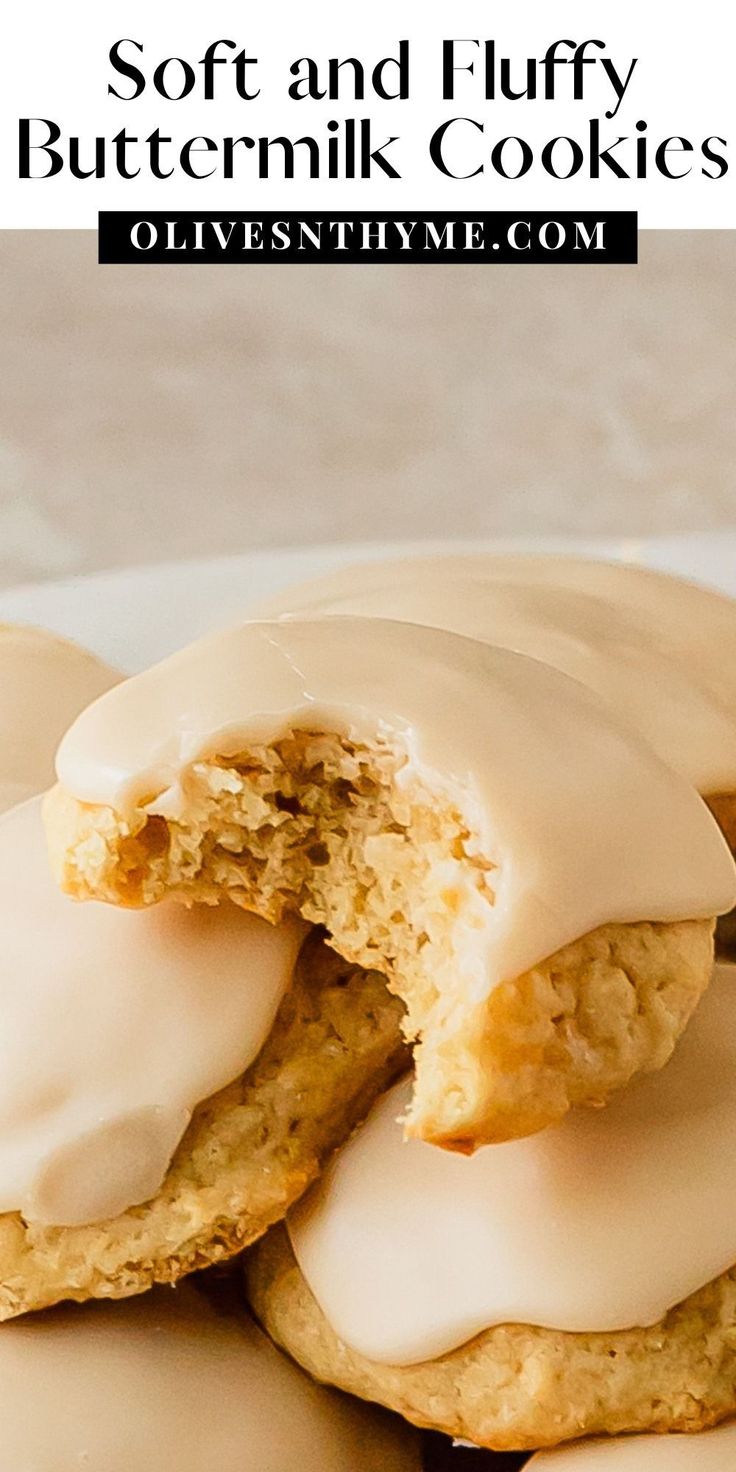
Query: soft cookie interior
point(335, 830)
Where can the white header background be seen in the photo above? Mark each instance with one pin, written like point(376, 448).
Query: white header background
point(55, 65)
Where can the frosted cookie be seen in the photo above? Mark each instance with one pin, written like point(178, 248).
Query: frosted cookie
point(44, 683)
point(651, 645)
point(711, 1451)
point(172, 1384)
point(576, 1283)
point(536, 886)
point(170, 1081)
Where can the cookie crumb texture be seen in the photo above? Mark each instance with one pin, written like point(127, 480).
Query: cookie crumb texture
point(516, 1388)
point(249, 1153)
point(351, 837)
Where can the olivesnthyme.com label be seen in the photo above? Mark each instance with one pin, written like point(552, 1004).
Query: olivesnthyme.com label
point(495, 237)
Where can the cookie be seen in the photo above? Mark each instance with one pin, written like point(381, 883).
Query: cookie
point(565, 1285)
point(247, 1155)
point(45, 682)
point(712, 1451)
point(516, 1387)
point(175, 1380)
point(651, 645)
point(535, 885)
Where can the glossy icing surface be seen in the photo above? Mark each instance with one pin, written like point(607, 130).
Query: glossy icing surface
point(44, 683)
point(113, 1025)
point(651, 645)
point(165, 1383)
point(708, 1451)
point(580, 819)
point(600, 1223)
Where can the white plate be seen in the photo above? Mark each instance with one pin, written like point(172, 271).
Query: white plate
point(136, 616)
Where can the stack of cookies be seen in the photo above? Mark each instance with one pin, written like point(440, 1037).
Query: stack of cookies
point(404, 891)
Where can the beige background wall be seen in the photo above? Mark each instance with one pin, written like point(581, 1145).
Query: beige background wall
point(158, 412)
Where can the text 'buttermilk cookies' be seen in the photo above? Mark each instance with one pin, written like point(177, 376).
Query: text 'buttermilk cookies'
point(535, 884)
point(579, 1282)
point(44, 683)
point(172, 1383)
point(170, 1081)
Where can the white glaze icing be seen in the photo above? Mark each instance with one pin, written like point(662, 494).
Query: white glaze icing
point(709, 1451)
point(584, 824)
point(113, 1025)
point(164, 1383)
point(44, 683)
point(600, 1223)
point(653, 646)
